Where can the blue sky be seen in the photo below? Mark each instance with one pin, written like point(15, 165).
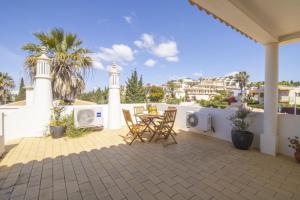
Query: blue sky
point(172, 37)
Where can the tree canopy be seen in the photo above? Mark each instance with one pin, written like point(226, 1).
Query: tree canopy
point(70, 61)
point(135, 91)
point(22, 92)
point(99, 96)
point(156, 94)
point(6, 85)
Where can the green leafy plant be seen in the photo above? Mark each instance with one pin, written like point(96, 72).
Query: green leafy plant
point(294, 143)
point(70, 61)
point(156, 94)
point(238, 119)
point(214, 104)
point(71, 130)
point(56, 118)
point(173, 101)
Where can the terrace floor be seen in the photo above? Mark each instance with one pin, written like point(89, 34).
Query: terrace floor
point(101, 166)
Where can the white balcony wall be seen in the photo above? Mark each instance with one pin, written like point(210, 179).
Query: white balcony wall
point(2, 147)
point(17, 124)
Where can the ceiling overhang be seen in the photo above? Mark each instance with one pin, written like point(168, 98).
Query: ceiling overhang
point(234, 14)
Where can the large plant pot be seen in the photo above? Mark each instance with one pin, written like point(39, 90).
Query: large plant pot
point(297, 156)
point(242, 139)
point(57, 131)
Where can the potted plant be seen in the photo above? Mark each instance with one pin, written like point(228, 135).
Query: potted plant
point(152, 109)
point(57, 124)
point(295, 144)
point(241, 138)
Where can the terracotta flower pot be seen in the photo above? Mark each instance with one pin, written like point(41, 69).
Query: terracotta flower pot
point(297, 156)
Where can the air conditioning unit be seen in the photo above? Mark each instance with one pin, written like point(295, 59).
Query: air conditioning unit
point(88, 117)
point(198, 121)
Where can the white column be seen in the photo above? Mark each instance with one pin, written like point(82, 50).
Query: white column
point(43, 99)
point(114, 107)
point(268, 140)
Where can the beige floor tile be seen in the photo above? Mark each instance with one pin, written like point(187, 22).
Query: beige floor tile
point(101, 166)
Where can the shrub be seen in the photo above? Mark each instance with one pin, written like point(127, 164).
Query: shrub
point(260, 106)
point(238, 119)
point(71, 131)
point(56, 118)
point(173, 101)
point(214, 104)
point(294, 143)
point(230, 100)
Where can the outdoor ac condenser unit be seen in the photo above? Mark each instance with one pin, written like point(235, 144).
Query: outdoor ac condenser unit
point(198, 121)
point(88, 117)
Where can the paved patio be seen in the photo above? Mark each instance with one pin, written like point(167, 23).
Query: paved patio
point(102, 166)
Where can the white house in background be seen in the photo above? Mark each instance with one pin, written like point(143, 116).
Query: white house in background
point(286, 94)
point(205, 88)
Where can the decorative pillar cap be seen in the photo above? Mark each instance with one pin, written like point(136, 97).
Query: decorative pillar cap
point(114, 68)
point(43, 56)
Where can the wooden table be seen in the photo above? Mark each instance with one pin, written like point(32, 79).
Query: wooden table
point(148, 120)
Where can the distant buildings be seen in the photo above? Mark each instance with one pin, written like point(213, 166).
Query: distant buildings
point(286, 94)
point(204, 88)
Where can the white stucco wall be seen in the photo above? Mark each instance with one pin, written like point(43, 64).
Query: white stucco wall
point(2, 147)
point(18, 123)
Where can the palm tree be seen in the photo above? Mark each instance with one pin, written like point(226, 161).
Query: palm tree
point(242, 78)
point(6, 84)
point(69, 65)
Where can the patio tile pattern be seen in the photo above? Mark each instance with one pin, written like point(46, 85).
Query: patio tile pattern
point(101, 166)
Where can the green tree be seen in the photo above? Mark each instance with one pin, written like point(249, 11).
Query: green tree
point(22, 93)
point(171, 86)
point(156, 94)
point(242, 79)
point(6, 85)
point(135, 91)
point(99, 96)
point(70, 61)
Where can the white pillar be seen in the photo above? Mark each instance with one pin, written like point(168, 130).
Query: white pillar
point(43, 99)
point(268, 140)
point(114, 107)
point(29, 95)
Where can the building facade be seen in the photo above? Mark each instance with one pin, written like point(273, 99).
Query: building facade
point(204, 88)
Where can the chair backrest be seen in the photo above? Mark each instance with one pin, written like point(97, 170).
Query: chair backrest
point(139, 110)
point(169, 117)
point(128, 118)
point(172, 108)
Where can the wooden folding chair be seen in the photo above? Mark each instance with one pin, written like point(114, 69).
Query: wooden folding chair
point(138, 110)
point(165, 127)
point(172, 108)
point(136, 130)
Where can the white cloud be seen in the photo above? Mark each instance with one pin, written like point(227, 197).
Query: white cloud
point(146, 41)
point(166, 49)
point(128, 19)
point(198, 74)
point(232, 73)
point(172, 59)
point(120, 53)
point(97, 64)
point(150, 63)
